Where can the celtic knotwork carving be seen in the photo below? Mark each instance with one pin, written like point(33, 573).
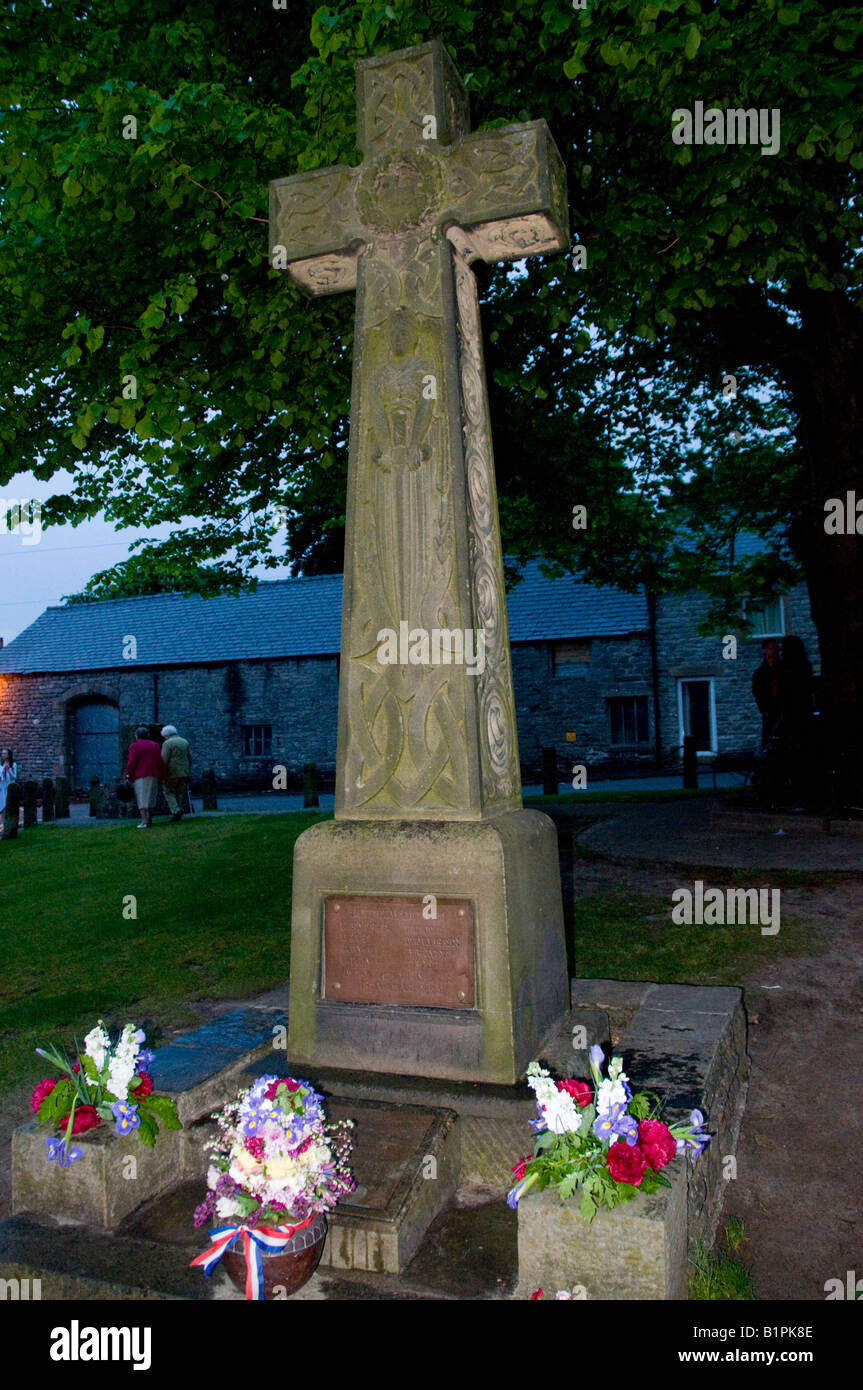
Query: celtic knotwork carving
point(498, 741)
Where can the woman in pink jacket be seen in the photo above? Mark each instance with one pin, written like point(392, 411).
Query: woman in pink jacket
point(144, 768)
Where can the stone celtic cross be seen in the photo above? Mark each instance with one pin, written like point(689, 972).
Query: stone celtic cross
point(421, 738)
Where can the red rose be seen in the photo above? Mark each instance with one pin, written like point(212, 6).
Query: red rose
point(287, 1081)
point(656, 1143)
point(535, 1296)
point(85, 1118)
point(626, 1163)
point(76, 1067)
point(579, 1090)
point(144, 1086)
point(43, 1089)
point(518, 1170)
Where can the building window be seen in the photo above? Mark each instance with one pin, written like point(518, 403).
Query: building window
point(628, 718)
point(766, 619)
point(257, 740)
point(697, 711)
point(569, 655)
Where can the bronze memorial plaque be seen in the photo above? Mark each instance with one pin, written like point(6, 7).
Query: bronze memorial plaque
point(384, 951)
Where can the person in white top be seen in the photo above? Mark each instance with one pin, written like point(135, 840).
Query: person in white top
point(8, 773)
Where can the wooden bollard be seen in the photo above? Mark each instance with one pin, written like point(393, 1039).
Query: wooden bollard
point(208, 791)
point(47, 800)
point(13, 807)
point(310, 785)
point(61, 798)
point(549, 772)
point(30, 798)
point(690, 764)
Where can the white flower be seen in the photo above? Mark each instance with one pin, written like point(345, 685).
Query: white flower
point(97, 1044)
point(226, 1207)
point(561, 1114)
point(609, 1094)
point(120, 1073)
point(213, 1175)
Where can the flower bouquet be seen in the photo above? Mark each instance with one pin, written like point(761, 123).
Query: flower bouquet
point(601, 1140)
point(105, 1081)
point(276, 1167)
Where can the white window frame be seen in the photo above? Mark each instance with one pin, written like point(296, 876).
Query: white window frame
point(714, 743)
point(750, 607)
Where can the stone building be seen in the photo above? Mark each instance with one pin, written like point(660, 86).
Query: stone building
point(252, 680)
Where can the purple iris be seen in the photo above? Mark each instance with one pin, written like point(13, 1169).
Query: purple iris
point(616, 1123)
point(597, 1056)
point(697, 1139)
point(57, 1149)
point(126, 1116)
point(145, 1057)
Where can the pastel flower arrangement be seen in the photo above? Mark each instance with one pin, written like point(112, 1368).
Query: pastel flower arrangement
point(600, 1139)
point(275, 1160)
point(105, 1081)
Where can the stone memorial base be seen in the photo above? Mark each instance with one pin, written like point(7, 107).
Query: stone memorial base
point(113, 1176)
point(432, 1162)
point(427, 948)
point(637, 1251)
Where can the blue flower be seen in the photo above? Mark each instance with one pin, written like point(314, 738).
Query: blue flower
point(145, 1057)
point(57, 1149)
point(597, 1056)
point(126, 1116)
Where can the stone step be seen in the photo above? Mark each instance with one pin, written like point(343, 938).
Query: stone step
point(201, 1068)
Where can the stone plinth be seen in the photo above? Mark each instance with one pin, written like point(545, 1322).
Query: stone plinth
point(506, 872)
point(406, 1165)
point(637, 1251)
point(101, 1187)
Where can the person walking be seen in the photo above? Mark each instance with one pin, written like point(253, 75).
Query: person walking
point(144, 768)
point(178, 765)
point(8, 774)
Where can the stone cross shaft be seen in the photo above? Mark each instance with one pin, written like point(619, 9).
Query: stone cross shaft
point(426, 711)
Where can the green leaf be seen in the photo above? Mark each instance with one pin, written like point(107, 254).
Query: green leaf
point(587, 1206)
point(147, 1129)
point(806, 151)
point(72, 188)
point(693, 41)
point(162, 1107)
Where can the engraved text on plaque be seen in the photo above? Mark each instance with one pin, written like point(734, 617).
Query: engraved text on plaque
point(382, 950)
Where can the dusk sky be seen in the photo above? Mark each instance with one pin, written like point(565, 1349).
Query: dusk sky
point(36, 573)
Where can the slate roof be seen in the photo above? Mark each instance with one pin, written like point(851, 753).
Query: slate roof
point(290, 617)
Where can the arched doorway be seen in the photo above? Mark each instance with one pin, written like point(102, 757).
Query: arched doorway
point(94, 737)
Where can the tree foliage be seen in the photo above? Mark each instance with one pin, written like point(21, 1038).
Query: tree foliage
point(154, 353)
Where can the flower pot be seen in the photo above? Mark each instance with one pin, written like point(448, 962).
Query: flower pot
point(286, 1270)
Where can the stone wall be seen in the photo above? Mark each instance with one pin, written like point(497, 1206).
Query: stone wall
point(684, 654)
point(554, 699)
point(209, 705)
point(298, 698)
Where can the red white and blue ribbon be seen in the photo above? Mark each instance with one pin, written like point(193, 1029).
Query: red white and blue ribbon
point(255, 1242)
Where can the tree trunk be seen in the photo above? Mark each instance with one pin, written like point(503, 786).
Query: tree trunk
point(821, 362)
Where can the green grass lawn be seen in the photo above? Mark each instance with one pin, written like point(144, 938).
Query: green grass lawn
point(213, 900)
point(213, 921)
point(630, 936)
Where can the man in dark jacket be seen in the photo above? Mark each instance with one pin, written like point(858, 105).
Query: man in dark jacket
point(767, 689)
